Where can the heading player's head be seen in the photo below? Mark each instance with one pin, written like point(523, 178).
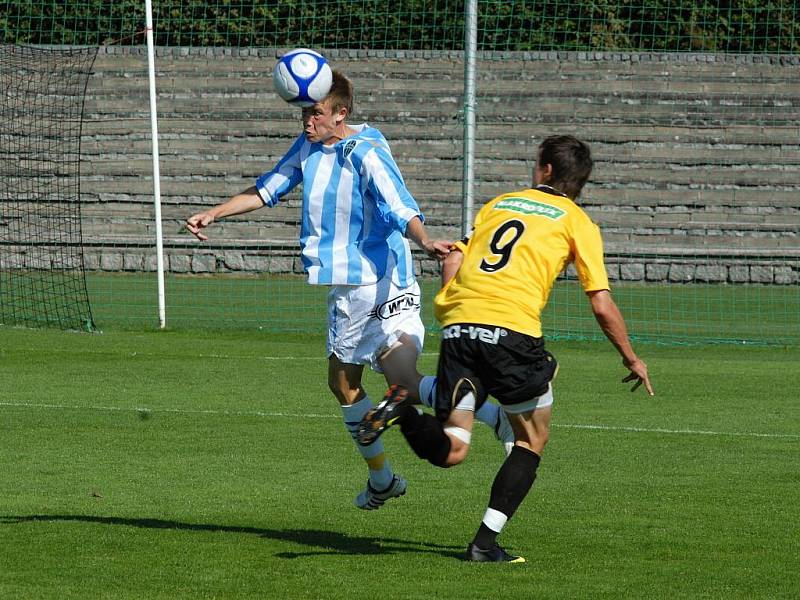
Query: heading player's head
point(564, 163)
point(341, 94)
point(323, 121)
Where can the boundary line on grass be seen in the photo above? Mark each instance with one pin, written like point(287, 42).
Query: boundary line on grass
point(317, 357)
point(146, 411)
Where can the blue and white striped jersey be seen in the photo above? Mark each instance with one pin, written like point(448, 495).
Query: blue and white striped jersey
point(355, 208)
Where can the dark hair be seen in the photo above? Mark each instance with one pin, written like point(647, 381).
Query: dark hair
point(341, 94)
point(571, 161)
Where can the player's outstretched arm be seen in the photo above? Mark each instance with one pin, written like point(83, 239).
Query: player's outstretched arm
point(240, 203)
point(611, 322)
point(437, 249)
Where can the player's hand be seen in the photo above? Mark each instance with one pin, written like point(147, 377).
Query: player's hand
point(197, 222)
point(638, 374)
point(438, 249)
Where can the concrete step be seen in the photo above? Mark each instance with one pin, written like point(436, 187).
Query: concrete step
point(693, 155)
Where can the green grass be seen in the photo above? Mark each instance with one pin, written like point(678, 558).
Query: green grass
point(213, 464)
point(677, 313)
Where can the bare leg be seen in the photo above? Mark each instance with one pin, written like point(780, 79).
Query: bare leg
point(344, 380)
point(399, 364)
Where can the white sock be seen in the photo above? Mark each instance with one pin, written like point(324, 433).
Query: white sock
point(380, 472)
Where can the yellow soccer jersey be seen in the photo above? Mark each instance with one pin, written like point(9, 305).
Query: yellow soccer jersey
point(519, 244)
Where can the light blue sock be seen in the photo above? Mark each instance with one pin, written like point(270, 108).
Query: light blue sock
point(427, 390)
point(487, 413)
point(380, 472)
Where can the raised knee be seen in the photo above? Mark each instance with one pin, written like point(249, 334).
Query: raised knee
point(455, 458)
point(445, 461)
point(460, 440)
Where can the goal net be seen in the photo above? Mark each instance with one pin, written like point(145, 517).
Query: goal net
point(42, 281)
point(692, 111)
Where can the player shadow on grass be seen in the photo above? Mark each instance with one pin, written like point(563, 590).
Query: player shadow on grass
point(324, 542)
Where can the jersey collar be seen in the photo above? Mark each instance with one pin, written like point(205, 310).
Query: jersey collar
point(549, 190)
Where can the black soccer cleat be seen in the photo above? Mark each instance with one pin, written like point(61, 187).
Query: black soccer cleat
point(379, 419)
point(493, 554)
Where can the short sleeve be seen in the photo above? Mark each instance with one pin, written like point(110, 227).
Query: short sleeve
point(588, 256)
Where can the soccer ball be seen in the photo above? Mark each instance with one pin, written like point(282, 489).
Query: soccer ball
point(302, 77)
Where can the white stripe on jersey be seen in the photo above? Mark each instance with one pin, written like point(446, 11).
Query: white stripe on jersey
point(311, 233)
point(341, 238)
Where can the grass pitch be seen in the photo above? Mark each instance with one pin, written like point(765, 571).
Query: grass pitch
point(215, 465)
point(674, 314)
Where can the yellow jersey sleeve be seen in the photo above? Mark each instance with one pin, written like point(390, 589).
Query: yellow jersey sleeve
point(587, 250)
point(460, 245)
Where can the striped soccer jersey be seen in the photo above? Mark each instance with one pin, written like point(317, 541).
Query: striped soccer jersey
point(520, 243)
point(355, 209)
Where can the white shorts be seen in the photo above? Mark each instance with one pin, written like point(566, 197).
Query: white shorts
point(366, 320)
point(542, 401)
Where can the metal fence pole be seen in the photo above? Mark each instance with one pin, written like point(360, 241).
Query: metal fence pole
point(162, 311)
point(470, 49)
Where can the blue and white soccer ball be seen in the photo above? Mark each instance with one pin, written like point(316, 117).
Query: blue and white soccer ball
point(302, 77)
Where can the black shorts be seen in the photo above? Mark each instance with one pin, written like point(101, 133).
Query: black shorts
point(508, 365)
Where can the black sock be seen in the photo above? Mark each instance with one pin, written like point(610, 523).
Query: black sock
point(426, 436)
point(511, 484)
